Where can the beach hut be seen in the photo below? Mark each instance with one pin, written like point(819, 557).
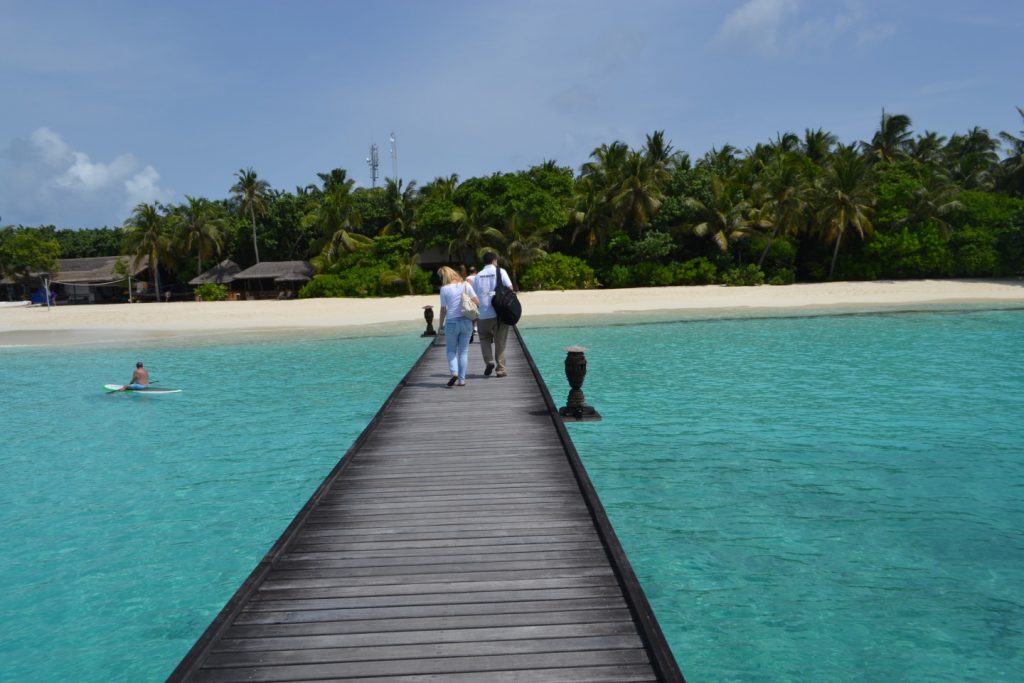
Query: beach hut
point(221, 274)
point(273, 279)
point(97, 280)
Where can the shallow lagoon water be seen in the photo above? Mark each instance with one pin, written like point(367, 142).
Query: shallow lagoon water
point(127, 521)
point(817, 499)
point(832, 498)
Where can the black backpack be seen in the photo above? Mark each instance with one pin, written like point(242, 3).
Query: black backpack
point(506, 303)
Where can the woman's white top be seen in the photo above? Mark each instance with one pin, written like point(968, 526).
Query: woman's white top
point(451, 298)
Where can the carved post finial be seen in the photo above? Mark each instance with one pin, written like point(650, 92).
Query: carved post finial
point(428, 315)
point(576, 408)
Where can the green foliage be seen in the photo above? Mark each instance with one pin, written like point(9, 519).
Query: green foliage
point(895, 188)
point(360, 281)
point(617, 277)
point(211, 291)
point(650, 274)
point(908, 254)
point(696, 271)
point(975, 253)
point(782, 276)
point(654, 246)
point(384, 268)
point(558, 271)
point(24, 251)
point(89, 242)
point(505, 194)
point(743, 276)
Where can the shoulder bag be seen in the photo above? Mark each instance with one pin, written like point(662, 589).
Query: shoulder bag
point(506, 303)
point(467, 307)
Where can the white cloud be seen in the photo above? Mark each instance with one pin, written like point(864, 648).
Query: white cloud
point(43, 180)
point(775, 27)
point(757, 24)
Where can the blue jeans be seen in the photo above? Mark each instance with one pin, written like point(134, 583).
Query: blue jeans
point(456, 342)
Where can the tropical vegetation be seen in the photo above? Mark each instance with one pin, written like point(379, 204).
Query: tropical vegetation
point(798, 208)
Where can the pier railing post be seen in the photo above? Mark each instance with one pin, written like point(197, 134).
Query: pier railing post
point(428, 315)
point(576, 408)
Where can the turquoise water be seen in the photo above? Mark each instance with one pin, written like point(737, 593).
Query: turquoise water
point(824, 499)
point(126, 521)
point(819, 499)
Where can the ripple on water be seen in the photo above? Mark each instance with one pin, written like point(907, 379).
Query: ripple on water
point(833, 498)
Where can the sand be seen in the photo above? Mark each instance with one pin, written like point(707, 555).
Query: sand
point(84, 324)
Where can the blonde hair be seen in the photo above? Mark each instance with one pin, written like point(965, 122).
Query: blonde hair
point(448, 275)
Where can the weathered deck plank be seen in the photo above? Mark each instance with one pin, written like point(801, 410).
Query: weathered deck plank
point(450, 544)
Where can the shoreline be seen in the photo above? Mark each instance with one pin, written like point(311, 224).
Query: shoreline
point(23, 326)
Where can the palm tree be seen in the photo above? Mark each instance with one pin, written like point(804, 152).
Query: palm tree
point(148, 237)
point(404, 273)
point(639, 193)
point(473, 232)
point(722, 162)
point(927, 149)
point(892, 139)
point(933, 200)
point(253, 195)
point(441, 188)
point(526, 241)
point(785, 188)
point(1013, 164)
point(588, 217)
point(726, 218)
point(201, 228)
point(335, 218)
point(606, 165)
point(401, 206)
point(845, 199)
point(818, 144)
point(972, 158)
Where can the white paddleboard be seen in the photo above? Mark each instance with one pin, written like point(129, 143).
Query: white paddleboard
point(151, 390)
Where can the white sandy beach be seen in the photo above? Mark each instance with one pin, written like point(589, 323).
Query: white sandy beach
point(97, 323)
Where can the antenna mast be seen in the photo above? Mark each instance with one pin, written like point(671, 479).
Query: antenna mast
point(394, 157)
point(373, 161)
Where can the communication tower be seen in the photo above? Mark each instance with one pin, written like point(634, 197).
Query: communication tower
point(373, 161)
point(394, 156)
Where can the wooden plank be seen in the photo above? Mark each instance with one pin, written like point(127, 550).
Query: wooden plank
point(420, 588)
point(434, 665)
point(577, 619)
point(596, 674)
point(387, 638)
point(393, 651)
point(435, 610)
point(312, 579)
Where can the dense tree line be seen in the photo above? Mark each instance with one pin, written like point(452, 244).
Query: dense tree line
point(797, 208)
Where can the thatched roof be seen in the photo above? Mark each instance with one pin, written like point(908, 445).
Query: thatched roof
point(95, 270)
point(222, 273)
point(278, 271)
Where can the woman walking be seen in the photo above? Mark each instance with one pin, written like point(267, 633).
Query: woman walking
point(457, 328)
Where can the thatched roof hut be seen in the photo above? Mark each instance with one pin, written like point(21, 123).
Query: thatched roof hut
point(278, 271)
point(223, 273)
point(95, 270)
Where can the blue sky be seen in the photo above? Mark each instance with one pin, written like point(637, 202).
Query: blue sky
point(106, 104)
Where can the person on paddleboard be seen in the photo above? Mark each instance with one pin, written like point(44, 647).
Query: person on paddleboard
point(140, 379)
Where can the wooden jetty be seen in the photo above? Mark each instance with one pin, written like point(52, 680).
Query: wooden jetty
point(459, 539)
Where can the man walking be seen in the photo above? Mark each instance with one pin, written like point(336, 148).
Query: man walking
point(493, 332)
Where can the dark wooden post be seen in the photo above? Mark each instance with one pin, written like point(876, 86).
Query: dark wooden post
point(576, 408)
point(428, 315)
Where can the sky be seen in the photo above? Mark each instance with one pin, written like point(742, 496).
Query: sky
point(107, 104)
